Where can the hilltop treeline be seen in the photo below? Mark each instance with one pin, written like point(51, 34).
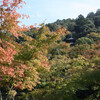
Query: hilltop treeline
point(79, 27)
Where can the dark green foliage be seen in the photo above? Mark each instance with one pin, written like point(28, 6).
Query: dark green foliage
point(53, 27)
point(97, 12)
point(91, 16)
point(68, 23)
point(20, 39)
point(32, 32)
point(83, 26)
point(80, 26)
point(97, 21)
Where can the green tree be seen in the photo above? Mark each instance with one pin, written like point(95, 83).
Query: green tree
point(84, 40)
point(94, 36)
point(74, 52)
point(91, 16)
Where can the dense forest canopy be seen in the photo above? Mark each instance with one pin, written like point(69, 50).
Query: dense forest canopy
point(81, 26)
point(37, 63)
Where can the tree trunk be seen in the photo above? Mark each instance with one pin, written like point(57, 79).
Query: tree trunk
point(0, 95)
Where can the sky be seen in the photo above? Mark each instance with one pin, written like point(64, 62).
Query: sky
point(49, 11)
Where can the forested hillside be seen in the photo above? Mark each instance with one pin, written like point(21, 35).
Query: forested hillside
point(79, 27)
point(36, 63)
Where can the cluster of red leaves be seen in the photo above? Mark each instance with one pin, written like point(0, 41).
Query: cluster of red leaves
point(44, 61)
point(94, 51)
point(11, 70)
point(9, 17)
point(7, 52)
point(94, 54)
point(19, 73)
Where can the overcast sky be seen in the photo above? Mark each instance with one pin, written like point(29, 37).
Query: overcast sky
point(51, 10)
